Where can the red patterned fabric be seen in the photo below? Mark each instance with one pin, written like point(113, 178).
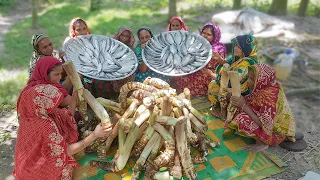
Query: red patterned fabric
point(40, 74)
point(263, 101)
point(183, 25)
point(44, 133)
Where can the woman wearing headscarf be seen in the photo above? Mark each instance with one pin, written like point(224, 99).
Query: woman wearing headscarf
point(124, 35)
point(198, 82)
point(176, 24)
point(42, 46)
point(47, 135)
point(244, 54)
point(264, 113)
point(77, 27)
point(98, 88)
point(144, 34)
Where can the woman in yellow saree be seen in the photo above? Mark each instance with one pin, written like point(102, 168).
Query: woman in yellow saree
point(244, 54)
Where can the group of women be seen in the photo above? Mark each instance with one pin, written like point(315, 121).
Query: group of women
point(48, 136)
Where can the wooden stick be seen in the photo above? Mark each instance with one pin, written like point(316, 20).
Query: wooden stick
point(72, 75)
point(166, 106)
point(97, 108)
point(235, 83)
point(303, 91)
point(184, 151)
point(236, 91)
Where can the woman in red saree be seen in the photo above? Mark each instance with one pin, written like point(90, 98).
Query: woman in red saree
point(264, 114)
point(47, 135)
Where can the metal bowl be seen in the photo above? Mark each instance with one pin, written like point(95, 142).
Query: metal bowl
point(177, 53)
point(100, 57)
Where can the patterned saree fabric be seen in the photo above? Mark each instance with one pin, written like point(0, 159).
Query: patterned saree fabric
point(248, 46)
point(44, 133)
point(37, 55)
point(39, 75)
point(198, 81)
point(269, 103)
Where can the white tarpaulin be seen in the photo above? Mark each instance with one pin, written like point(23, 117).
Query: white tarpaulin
point(251, 21)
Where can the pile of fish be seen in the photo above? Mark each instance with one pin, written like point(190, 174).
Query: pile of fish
point(100, 57)
point(176, 53)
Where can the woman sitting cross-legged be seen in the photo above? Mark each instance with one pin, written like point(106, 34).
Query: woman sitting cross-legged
point(264, 114)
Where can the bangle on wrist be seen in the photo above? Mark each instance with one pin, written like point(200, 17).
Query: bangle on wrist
point(243, 106)
point(94, 134)
point(83, 143)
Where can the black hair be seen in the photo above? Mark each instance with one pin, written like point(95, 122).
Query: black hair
point(211, 29)
point(144, 28)
point(78, 21)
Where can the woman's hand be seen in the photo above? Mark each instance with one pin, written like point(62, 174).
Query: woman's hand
point(61, 54)
point(237, 101)
point(143, 45)
point(102, 130)
point(208, 72)
point(216, 56)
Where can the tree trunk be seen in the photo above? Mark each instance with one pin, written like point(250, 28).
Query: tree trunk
point(303, 7)
point(278, 7)
point(172, 8)
point(236, 4)
point(34, 4)
point(94, 5)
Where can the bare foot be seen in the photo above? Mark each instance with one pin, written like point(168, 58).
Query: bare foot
point(259, 146)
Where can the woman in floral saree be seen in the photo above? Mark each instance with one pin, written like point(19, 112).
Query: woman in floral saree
point(244, 54)
point(264, 114)
point(47, 135)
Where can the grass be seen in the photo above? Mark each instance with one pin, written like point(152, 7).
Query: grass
point(9, 91)
point(6, 6)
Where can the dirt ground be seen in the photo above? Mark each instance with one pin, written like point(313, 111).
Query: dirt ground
point(305, 107)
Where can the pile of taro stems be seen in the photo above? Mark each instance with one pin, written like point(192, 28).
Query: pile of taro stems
point(154, 124)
